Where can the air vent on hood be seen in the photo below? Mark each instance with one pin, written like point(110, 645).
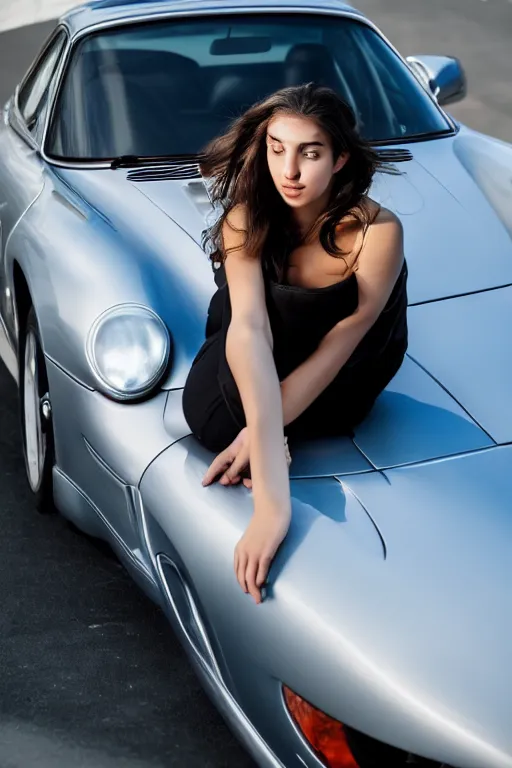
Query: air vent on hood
point(394, 155)
point(174, 169)
point(189, 169)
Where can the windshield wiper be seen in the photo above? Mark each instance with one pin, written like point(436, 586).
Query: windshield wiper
point(136, 161)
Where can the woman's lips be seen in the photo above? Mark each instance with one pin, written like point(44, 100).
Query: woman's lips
point(292, 191)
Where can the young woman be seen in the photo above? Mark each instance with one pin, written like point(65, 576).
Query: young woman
point(308, 324)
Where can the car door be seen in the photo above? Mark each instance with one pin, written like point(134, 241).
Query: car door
point(21, 166)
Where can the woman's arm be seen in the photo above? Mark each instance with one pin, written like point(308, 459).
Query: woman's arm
point(380, 262)
point(250, 358)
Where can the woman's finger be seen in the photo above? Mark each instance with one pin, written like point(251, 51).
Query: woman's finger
point(263, 569)
point(250, 577)
point(247, 482)
point(230, 480)
point(230, 476)
point(238, 464)
point(242, 566)
point(225, 479)
point(218, 465)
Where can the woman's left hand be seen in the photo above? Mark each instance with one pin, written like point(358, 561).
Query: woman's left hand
point(230, 463)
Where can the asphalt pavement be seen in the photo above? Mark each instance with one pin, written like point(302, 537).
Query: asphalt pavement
point(91, 674)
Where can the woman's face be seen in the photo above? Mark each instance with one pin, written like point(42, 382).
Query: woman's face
point(300, 160)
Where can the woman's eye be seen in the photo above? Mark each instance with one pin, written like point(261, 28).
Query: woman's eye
point(277, 151)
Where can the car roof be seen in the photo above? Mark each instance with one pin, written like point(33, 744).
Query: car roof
point(98, 12)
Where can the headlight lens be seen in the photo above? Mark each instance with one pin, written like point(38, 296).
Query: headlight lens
point(128, 349)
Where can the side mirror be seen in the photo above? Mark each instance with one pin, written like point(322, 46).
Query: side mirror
point(443, 75)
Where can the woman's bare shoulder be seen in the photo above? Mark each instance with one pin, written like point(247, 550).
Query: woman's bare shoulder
point(236, 218)
point(381, 219)
point(366, 246)
point(352, 232)
point(352, 223)
point(234, 230)
point(378, 214)
point(386, 229)
point(383, 242)
point(385, 216)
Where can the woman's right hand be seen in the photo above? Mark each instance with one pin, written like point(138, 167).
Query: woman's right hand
point(270, 521)
point(256, 549)
point(231, 462)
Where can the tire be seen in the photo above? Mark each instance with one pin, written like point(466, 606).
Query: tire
point(36, 418)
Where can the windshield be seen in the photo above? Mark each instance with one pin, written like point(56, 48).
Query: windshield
point(169, 87)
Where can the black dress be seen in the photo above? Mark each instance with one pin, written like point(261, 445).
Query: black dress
point(299, 319)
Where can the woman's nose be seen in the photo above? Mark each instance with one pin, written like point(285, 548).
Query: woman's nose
point(291, 168)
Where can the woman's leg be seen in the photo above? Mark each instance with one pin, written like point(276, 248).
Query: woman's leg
point(336, 411)
point(204, 406)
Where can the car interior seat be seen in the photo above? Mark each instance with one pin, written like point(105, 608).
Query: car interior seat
point(233, 92)
point(142, 102)
point(305, 62)
point(310, 62)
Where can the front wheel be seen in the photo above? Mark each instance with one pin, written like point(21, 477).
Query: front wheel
point(36, 416)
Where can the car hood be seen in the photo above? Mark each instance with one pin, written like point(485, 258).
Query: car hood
point(388, 602)
point(457, 225)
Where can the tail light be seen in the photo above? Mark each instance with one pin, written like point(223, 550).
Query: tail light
point(325, 735)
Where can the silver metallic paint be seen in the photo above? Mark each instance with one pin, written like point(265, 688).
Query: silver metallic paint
point(388, 604)
point(436, 583)
point(472, 356)
point(415, 419)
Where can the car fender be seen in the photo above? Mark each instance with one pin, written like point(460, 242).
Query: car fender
point(77, 263)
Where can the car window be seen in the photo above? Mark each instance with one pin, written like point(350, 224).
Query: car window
point(34, 91)
point(170, 87)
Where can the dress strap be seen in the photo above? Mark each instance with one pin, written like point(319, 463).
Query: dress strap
point(372, 221)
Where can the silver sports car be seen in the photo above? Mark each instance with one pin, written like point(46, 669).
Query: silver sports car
point(386, 634)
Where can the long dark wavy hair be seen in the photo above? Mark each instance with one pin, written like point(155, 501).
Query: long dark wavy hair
point(237, 167)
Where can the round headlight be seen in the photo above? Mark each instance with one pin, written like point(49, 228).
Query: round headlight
point(128, 349)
